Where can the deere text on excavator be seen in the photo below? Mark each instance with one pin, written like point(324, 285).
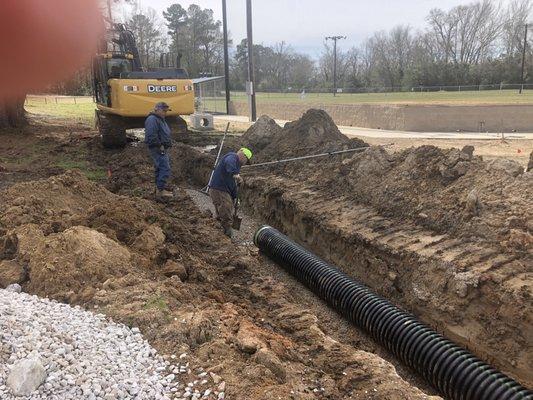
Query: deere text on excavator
point(125, 91)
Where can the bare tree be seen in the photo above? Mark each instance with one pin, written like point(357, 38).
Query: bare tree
point(146, 27)
point(325, 65)
point(467, 34)
point(516, 16)
point(390, 56)
point(12, 112)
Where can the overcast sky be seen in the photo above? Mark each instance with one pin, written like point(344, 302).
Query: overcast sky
point(304, 23)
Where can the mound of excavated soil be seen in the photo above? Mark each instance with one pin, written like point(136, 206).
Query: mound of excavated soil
point(261, 133)
point(132, 170)
point(74, 259)
point(448, 191)
point(313, 133)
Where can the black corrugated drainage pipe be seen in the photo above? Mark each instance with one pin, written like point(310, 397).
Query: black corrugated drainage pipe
point(455, 372)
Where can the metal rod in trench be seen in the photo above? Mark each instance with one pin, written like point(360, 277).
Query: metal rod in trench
point(331, 153)
point(205, 190)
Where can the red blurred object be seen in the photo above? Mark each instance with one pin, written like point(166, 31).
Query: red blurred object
point(44, 41)
point(519, 151)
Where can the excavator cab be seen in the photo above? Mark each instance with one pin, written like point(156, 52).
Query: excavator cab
point(125, 92)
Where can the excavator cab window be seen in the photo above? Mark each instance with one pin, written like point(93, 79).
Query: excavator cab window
point(117, 66)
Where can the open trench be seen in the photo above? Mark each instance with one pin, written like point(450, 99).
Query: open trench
point(320, 324)
point(433, 276)
point(241, 296)
point(470, 292)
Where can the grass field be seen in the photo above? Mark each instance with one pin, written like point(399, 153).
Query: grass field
point(465, 97)
point(82, 111)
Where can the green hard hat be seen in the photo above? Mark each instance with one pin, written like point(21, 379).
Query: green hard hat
point(247, 152)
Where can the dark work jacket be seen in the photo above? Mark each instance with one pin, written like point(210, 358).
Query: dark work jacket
point(156, 132)
point(223, 179)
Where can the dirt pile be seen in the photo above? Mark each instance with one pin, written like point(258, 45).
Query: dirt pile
point(132, 171)
point(313, 133)
point(448, 191)
point(74, 259)
point(261, 133)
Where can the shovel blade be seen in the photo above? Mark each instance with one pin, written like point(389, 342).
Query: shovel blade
point(236, 223)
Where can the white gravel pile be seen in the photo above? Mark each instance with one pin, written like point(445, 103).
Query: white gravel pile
point(68, 353)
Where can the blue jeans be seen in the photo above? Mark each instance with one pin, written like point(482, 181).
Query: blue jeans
point(161, 166)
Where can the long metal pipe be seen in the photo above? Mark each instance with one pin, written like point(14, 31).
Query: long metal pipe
point(452, 370)
point(331, 153)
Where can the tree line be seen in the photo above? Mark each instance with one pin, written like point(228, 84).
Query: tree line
point(473, 44)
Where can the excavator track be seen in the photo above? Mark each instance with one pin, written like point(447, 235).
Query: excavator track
point(112, 130)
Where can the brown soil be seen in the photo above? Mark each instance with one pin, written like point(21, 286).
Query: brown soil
point(315, 132)
point(261, 133)
point(168, 269)
point(440, 232)
point(130, 169)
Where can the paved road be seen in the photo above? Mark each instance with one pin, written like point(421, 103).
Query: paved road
point(380, 133)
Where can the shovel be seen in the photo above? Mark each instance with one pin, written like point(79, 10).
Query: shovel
point(236, 219)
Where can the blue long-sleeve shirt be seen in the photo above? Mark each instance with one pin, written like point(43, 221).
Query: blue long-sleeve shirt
point(226, 169)
point(156, 132)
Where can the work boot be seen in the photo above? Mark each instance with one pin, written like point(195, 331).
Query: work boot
point(163, 195)
point(228, 232)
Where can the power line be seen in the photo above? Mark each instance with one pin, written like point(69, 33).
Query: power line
point(335, 38)
point(522, 73)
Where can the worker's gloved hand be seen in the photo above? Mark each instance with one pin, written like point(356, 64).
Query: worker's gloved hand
point(162, 150)
point(238, 179)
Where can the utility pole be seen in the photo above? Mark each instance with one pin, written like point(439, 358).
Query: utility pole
point(250, 89)
point(523, 60)
point(335, 38)
point(226, 56)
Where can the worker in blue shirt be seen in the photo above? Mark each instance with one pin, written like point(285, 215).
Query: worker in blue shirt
point(157, 137)
point(223, 188)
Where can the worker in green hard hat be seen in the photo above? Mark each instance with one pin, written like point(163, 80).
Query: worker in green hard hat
point(224, 186)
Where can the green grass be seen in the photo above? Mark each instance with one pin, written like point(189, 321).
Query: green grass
point(464, 97)
point(156, 302)
point(82, 112)
point(92, 173)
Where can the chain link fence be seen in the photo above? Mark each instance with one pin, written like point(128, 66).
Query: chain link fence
point(57, 99)
point(391, 89)
point(210, 97)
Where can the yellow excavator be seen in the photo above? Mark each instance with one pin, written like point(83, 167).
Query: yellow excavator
point(125, 92)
